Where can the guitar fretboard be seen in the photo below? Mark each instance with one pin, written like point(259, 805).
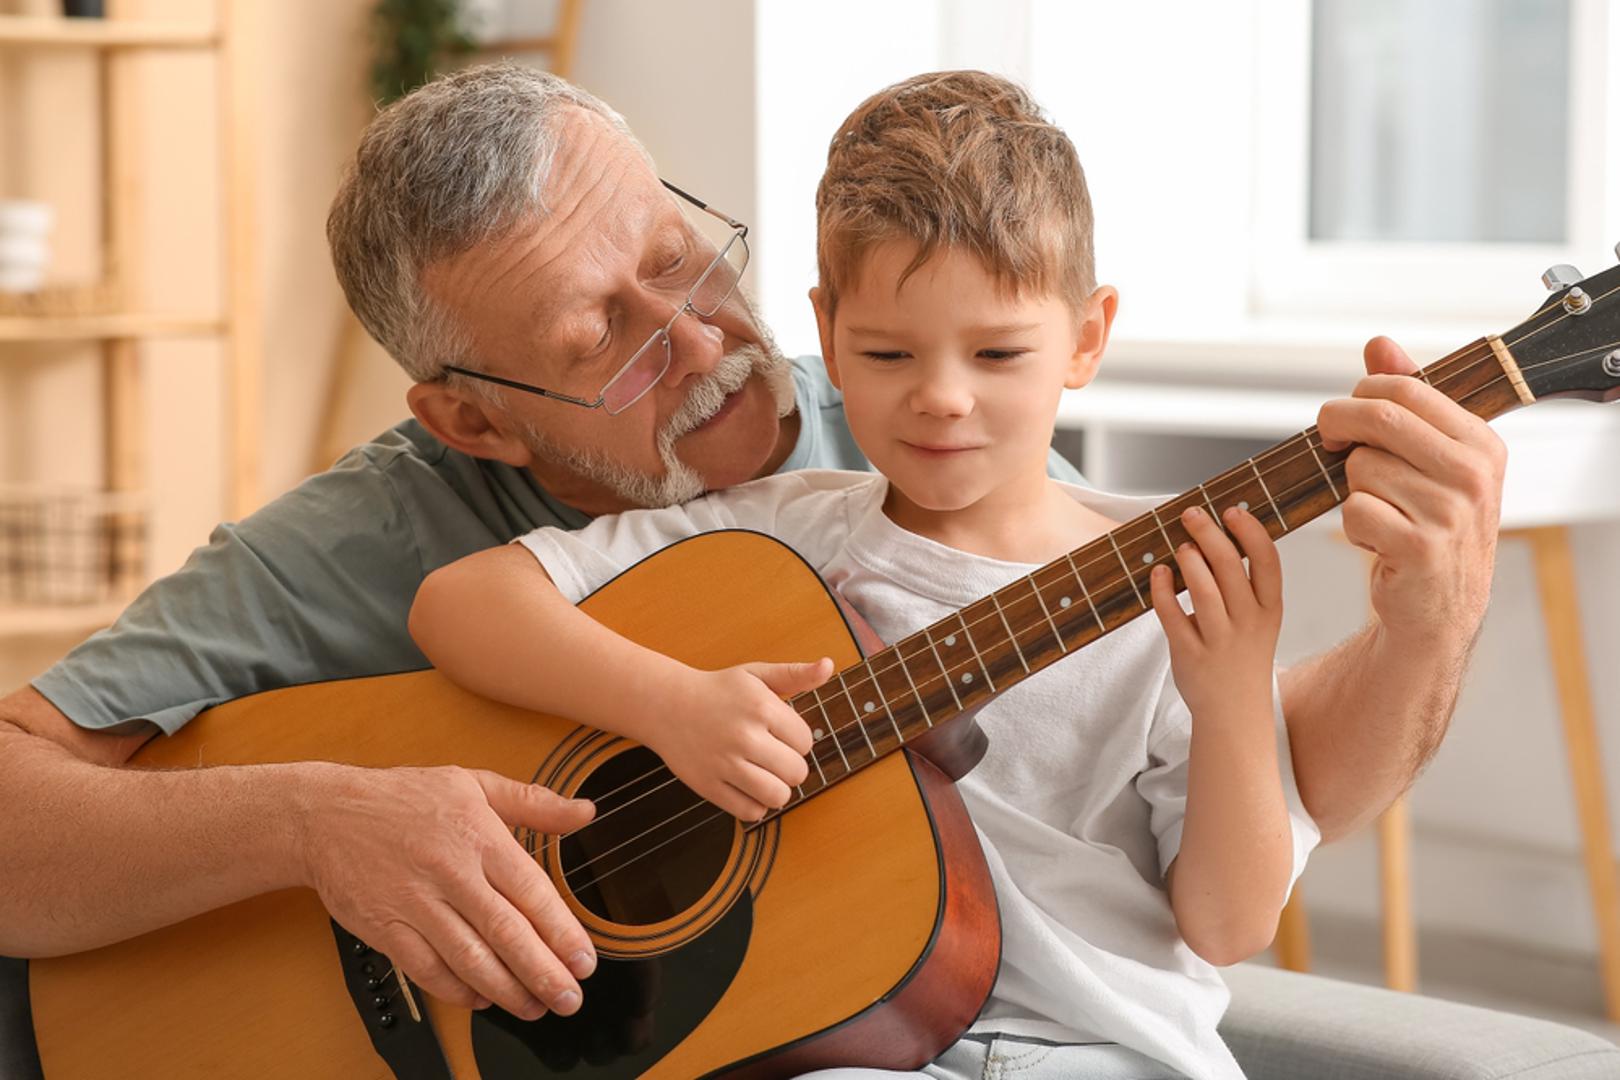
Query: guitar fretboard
point(959, 663)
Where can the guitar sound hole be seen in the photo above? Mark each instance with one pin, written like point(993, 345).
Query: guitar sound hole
point(654, 847)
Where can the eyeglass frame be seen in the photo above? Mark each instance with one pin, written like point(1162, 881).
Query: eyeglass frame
point(739, 235)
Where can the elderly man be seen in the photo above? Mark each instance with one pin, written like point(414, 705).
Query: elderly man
point(508, 241)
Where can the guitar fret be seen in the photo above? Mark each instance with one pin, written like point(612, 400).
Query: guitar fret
point(900, 656)
point(1169, 545)
point(969, 635)
point(1336, 496)
point(1274, 507)
point(832, 730)
point(1085, 592)
point(1039, 599)
point(944, 672)
point(1127, 567)
point(856, 712)
point(1211, 504)
point(815, 759)
point(1010, 635)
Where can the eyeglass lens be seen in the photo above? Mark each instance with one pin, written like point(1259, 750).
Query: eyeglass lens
point(708, 295)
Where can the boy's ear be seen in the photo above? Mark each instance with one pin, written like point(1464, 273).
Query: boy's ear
point(465, 425)
point(824, 327)
point(1096, 319)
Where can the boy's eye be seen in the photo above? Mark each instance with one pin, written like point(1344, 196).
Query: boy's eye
point(1002, 355)
point(884, 355)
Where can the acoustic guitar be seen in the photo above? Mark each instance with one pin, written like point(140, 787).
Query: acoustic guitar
point(856, 925)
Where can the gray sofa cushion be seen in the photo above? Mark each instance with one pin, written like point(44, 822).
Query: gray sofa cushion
point(1285, 1026)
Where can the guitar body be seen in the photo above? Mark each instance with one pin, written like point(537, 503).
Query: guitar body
point(859, 928)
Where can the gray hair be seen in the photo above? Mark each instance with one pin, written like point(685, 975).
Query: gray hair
point(459, 161)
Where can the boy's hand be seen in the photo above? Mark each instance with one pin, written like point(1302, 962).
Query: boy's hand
point(732, 739)
point(1222, 654)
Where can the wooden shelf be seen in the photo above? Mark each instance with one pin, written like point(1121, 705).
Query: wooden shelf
point(105, 327)
point(50, 621)
point(50, 32)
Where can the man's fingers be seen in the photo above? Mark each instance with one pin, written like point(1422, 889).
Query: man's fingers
point(409, 952)
point(513, 873)
point(1374, 525)
point(537, 807)
point(472, 961)
point(1383, 356)
point(512, 934)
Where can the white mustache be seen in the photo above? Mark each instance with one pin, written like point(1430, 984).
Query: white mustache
point(709, 395)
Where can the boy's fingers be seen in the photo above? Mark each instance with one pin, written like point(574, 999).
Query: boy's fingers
point(1265, 567)
point(1161, 586)
point(785, 680)
point(790, 728)
point(739, 803)
point(1221, 556)
point(1206, 595)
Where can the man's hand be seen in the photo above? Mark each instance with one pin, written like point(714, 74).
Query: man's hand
point(1425, 499)
point(423, 866)
point(1425, 481)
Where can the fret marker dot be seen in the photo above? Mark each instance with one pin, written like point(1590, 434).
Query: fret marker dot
point(816, 734)
point(950, 639)
point(968, 677)
point(1243, 505)
point(870, 707)
point(1065, 602)
point(1147, 556)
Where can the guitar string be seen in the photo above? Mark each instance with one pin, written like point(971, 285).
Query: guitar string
point(1444, 371)
point(1463, 358)
point(1214, 496)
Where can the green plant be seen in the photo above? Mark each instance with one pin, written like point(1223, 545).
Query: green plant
point(412, 40)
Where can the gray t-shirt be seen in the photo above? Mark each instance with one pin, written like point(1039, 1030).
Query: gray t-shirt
point(317, 585)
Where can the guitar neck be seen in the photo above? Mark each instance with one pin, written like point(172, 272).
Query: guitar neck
point(961, 662)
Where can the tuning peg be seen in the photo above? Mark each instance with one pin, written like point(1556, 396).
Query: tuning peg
point(1617, 250)
point(1562, 276)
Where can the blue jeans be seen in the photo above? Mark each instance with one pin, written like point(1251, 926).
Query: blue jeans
point(1001, 1057)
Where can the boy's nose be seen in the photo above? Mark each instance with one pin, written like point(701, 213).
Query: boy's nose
point(942, 395)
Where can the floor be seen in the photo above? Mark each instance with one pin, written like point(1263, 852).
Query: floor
point(1478, 971)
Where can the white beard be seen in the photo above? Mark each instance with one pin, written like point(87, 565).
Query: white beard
point(679, 482)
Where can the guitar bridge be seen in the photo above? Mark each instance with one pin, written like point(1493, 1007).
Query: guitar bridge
point(388, 1008)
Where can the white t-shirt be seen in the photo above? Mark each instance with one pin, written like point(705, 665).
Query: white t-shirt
point(1079, 801)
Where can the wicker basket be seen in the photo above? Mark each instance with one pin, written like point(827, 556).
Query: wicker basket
point(62, 547)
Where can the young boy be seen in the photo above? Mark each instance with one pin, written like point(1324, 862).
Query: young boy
point(1136, 805)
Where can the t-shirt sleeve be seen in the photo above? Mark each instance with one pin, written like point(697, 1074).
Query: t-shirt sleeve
point(316, 585)
point(1164, 782)
point(786, 506)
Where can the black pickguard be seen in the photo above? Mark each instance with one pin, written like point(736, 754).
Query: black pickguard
point(635, 1012)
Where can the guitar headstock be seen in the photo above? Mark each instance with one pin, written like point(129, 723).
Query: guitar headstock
point(1571, 346)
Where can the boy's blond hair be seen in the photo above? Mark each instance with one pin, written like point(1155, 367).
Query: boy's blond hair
point(957, 159)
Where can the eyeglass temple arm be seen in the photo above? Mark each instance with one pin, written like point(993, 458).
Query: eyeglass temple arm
point(703, 206)
point(525, 386)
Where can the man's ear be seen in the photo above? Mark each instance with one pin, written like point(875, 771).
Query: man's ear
point(1096, 320)
point(824, 327)
point(465, 423)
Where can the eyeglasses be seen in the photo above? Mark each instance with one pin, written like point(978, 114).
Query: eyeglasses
point(707, 295)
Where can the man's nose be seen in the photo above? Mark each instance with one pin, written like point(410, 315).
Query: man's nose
point(695, 347)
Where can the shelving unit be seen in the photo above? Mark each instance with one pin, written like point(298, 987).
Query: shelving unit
point(112, 312)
